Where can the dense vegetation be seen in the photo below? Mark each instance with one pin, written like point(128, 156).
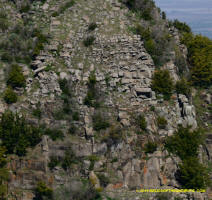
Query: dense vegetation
point(162, 83)
point(17, 134)
point(43, 192)
point(200, 59)
point(10, 96)
point(92, 96)
point(4, 174)
point(22, 43)
point(185, 144)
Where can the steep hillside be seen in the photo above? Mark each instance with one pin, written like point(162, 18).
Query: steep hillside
point(94, 98)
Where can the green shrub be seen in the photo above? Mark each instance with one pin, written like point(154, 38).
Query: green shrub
point(92, 26)
point(4, 24)
point(69, 159)
point(6, 57)
point(64, 86)
point(193, 174)
point(72, 130)
point(182, 87)
point(54, 134)
point(150, 147)
point(37, 113)
point(163, 15)
point(92, 159)
point(89, 41)
point(43, 192)
point(54, 161)
point(184, 143)
point(150, 47)
point(4, 173)
point(162, 83)
point(16, 77)
point(152, 108)
point(200, 59)
point(10, 96)
point(63, 8)
point(146, 14)
point(59, 114)
point(114, 135)
point(16, 134)
point(99, 122)
point(25, 7)
point(181, 26)
point(104, 180)
point(161, 122)
point(75, 116)
point(91, 98)
point(141, 122)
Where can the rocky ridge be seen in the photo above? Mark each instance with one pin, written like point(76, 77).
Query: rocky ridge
point(123, 71)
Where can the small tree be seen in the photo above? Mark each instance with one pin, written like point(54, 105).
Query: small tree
point(150, 147)
point(42, 192)
point(141, 122)
point(10, 96)
point(162, 83)
point(161, 122)
point(16, 77)
point(182, 87)
point(193, 174)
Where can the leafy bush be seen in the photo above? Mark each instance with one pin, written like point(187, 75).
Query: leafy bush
point(141, 122)
point(181, 26)
point(89, 41)
point(63, 8)
point(150, 147)
point(69, 159)
point(54, 134)
point(193, 174)
point(42, 192)
point(54, 161)
point(4, 24)
point(75, 116)
point(25, 7)
point(16, 134)
point(72, 130)
point(200, 59)
point(142, 8)
point(158, 42)
point(16, 77)
point(161, 122)
point(99, 122)
point(91, 98)
point(182, 87)
point(162, 83)
point(184, 143)
point(10, 96)
point(92, 26)
point(64, 86)
point(37, 113)
point(163, 15)
point(104, 180)
point(163, 196)
point(4, 174)
point(22, 43)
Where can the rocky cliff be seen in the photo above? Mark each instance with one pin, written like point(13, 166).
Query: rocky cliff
point(109, 87)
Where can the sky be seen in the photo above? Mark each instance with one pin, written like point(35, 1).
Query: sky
point(196, 13)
